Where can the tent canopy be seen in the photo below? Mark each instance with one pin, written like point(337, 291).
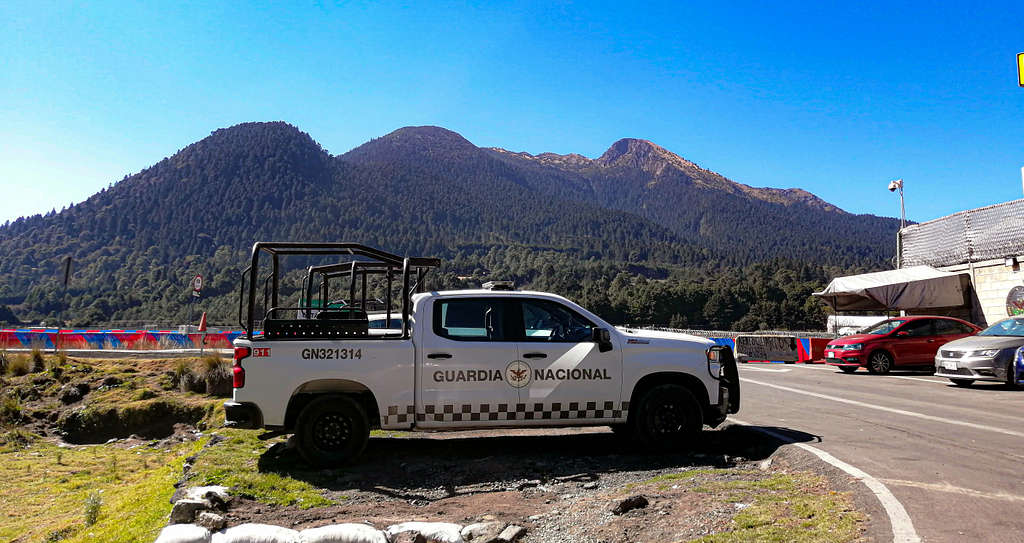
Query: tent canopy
point(918, 287)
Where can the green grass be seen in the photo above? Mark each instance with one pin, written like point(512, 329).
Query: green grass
point(46, 490)
point(785, 508)
point(235, 463)
point(665, 480)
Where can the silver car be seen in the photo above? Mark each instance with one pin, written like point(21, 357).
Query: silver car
point(987, 356)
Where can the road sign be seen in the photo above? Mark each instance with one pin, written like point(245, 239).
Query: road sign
point(197, 283)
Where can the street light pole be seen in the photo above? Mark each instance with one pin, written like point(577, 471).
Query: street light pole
point(894, 185)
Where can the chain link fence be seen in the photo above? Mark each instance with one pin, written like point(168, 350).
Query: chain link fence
point(731, 334)
point(996, 231)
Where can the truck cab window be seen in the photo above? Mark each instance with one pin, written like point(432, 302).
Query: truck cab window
point(549, 321)
point(470, 319)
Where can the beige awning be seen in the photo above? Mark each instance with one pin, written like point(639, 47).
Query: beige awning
point(918, 287)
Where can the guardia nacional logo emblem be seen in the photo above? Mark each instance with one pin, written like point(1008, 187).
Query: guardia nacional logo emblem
point(518, 374)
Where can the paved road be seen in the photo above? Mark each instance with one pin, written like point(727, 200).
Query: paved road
point(953, 457)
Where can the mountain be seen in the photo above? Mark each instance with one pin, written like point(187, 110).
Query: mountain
point(637, 213)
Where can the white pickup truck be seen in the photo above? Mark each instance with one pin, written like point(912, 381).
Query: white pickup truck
point(489, 358)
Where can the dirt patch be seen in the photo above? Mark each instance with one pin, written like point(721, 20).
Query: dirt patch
point(150, 419)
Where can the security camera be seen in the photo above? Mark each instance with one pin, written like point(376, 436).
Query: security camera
point(895, 185)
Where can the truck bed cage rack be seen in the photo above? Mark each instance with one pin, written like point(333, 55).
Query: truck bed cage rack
point(345, 322)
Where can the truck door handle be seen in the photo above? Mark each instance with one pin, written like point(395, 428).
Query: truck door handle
point(535, 355)
point(435, 356)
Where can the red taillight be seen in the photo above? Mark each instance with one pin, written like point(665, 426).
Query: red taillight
point(237, 371)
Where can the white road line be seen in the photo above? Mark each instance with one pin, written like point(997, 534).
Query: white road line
point(902, 527)
point(888, 409)
point(938, 380)
point(924, 379)
point(946, 487)
point(752, 368)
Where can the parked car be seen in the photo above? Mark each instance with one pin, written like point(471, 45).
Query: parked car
point(899, 342)
point(989, 356)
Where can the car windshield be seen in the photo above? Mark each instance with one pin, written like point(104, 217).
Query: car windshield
point(1008, 327)
point(883, 327)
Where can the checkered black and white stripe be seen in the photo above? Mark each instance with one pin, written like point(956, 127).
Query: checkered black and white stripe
point(504, 411)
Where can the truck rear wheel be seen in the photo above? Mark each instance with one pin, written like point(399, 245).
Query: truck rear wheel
point(332, 430)
point(668, 417)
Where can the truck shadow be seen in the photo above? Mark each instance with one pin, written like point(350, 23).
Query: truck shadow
point(425, 467)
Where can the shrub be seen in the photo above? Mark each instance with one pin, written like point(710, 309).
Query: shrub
point(216, 374)
point(10, 409)
point(182, 367)
point(38, 360)
point(92, 508)
point(191, 382)
point(18, 365)
point(55, 364)
point(3, 362)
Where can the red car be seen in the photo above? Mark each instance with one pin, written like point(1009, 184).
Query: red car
point(897, 342)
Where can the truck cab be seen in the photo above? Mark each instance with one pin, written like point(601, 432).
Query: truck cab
point(484, 358)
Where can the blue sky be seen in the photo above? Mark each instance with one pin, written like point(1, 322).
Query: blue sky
point(835, 98)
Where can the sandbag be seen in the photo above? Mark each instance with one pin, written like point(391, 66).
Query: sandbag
point(184, 533)
point(256, 533)
point(433, 532)
point(343, 533)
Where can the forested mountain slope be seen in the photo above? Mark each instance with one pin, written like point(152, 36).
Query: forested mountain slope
point(637, 223)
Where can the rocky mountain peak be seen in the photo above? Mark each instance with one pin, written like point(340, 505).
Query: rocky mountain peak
point(642, 155)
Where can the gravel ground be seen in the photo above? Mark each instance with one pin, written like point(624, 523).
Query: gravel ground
point(559, 484)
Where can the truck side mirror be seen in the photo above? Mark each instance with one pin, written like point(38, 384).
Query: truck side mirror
point(603, 338)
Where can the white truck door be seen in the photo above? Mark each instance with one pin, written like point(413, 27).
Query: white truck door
point(570, 377)
point(465, 358)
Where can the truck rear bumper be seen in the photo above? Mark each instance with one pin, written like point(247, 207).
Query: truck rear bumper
point(242, 415)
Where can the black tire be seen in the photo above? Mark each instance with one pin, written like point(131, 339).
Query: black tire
point(1011, 373)
point(668, 417)
point(963, 382)
point(621, 430)
point(848, 369)
point(879, 362)
point(332, 430)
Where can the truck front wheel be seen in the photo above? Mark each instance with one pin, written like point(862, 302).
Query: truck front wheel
point(668, 417)
point(332, 430)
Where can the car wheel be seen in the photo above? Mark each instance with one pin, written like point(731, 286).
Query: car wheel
point(332, 430)
point(668, 416)
point(848, 369)
point(963, 382)
point(1011, 373)
point(879, 362)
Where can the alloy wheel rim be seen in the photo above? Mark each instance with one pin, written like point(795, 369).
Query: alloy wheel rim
point(331, 431)
point(668, 418)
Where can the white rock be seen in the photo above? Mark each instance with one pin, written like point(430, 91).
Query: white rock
point(183, 533)
point(211, 521)
point(256, 533)
point(482, 531)
point(184, 510)
point(433, 532)
point(343, 533)
point(204, 492)
point(512, 533)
